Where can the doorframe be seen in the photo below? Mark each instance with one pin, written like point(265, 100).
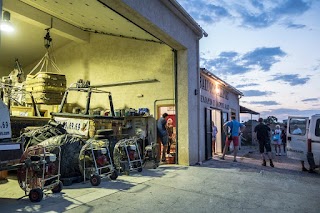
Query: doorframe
point(207, 112)
point(158, 115)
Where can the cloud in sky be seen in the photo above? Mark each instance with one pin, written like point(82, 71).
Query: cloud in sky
point(292, 79)
point(252, 93)
point(263, 57)
point(294, 26)
point(265, 103)
point(250, 13)
point(310, 100)
point(316, 67)
point(204, 11)
point(235, 63)
point(283, 113)
point(253, 42)
point(246, 85)
point(267, 13)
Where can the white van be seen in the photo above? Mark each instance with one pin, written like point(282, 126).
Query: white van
point(303, 139)
point(10, 152)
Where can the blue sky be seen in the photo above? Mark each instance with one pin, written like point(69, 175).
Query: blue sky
point(268, 49)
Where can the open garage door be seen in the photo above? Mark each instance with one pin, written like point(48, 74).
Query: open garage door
point(97, 44)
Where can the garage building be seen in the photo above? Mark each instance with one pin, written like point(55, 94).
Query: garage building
point(146, 53)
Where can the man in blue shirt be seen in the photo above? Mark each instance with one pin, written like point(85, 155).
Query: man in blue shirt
point(163, 134)
point(232, 129)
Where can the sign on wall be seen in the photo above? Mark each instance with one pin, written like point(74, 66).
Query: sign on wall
point(215, 96)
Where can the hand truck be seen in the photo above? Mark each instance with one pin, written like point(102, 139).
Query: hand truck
point(96, 161)
point(39, 171)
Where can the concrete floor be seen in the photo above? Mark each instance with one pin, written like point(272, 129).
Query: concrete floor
point(214, 186)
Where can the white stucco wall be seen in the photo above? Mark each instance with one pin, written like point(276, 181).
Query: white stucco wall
point(210, 99)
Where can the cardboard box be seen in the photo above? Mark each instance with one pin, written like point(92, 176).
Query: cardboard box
point(22, 111)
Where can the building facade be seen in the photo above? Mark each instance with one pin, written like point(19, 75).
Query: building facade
point(218, 102)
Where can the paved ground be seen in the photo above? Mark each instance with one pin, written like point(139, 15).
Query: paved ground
point(214, 186)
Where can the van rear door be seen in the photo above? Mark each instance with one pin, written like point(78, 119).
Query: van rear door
point(314, 137)
point(297, 135)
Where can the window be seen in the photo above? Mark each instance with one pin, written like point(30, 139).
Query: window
point(297, 126)
point(317, 130)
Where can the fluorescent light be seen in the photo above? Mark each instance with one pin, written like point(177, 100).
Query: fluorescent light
point(5, 24)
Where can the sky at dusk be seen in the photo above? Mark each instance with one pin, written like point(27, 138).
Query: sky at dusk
point(267, 49)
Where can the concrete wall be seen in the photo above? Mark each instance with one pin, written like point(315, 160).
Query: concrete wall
point(5, 70)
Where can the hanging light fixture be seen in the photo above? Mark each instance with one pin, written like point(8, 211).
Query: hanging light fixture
point(5, 24)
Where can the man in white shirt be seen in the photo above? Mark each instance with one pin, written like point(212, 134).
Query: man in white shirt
point(297, 130)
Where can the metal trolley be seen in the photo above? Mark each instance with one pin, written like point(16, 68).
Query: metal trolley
point(127, 155)
point(39, 170)
point(95, 161)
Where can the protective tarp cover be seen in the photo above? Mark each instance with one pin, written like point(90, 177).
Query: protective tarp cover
point(36, 136)
point(70, 150)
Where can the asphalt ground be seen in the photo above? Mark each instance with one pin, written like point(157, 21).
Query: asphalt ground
point(213, 186)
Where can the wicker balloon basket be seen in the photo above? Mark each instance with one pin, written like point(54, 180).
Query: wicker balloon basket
point(3, 175)
point(171, 159)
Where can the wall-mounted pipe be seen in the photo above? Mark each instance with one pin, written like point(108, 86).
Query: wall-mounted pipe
point(142, 81)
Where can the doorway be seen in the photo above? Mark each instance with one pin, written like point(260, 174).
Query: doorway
point(224, 119)
point(171, 126)
point(212, 115)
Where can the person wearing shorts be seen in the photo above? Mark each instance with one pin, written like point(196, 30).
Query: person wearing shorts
point(262, 134)
point(231, 128)
point(163, 134)
point(276, 140)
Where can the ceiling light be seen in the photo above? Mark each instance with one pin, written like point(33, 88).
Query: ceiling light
point(5, 24)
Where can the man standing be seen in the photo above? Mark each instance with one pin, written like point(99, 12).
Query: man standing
point(297, 130)
point(163, 135)
point(262, 134)
point(284, 138)
point(233, 135)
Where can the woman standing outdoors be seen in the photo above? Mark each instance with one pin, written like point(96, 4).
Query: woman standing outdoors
point(277, 140)
point(214, 137)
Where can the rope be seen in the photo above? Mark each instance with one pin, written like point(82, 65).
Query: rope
point(45, 62)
